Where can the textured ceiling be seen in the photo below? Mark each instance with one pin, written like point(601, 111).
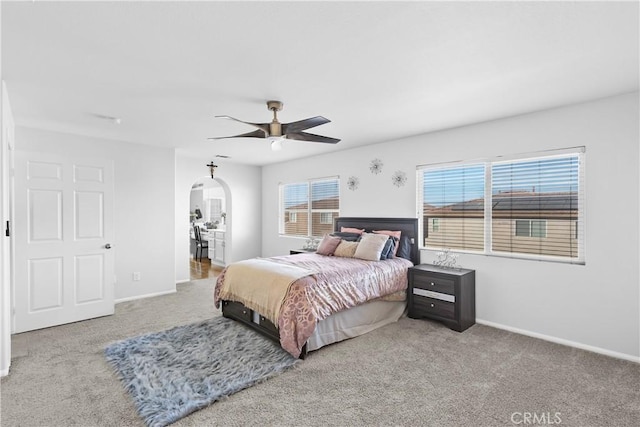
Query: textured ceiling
point(378, 70)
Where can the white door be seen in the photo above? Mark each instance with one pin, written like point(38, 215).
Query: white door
point(64, 270)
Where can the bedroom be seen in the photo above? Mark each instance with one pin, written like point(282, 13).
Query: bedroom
point(564, 303)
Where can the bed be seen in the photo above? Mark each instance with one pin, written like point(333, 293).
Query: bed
point(344, 308)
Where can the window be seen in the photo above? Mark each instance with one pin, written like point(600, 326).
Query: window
point(530, 207)
point(531, 228)
point(301, 218)
point(452, 203)
point(326, 218)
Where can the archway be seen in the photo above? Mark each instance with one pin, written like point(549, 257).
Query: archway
point(210, 210)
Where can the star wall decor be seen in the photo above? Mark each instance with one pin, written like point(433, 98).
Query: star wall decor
point(352, 183)
point(399, 178)
point(376, 166)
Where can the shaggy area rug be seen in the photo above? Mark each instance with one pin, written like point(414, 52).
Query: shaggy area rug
point(173, 373)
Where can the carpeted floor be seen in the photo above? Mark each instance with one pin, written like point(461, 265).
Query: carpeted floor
point(411, 373)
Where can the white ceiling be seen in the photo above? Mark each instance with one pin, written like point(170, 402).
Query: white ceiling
point(378, 70)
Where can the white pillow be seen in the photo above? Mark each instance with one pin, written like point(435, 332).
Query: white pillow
point(370, 246)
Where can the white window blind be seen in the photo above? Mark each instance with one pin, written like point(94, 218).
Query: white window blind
point(308, 208)
point(529, 207)
point(453, 207)
point(537, 205)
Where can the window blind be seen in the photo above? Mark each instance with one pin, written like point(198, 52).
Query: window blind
point(308, 208)
point(537, 205)
point(453, 207)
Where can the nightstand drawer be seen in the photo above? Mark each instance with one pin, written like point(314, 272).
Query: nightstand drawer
point(237, 310)
point(435, 295)
point(434, 307)
point(435, 284)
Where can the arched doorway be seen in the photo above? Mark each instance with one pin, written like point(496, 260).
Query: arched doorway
point(210, 213)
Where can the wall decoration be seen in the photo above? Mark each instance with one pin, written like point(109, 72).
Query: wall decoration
point(353, 182)
point(399, 178)
point(376, 166)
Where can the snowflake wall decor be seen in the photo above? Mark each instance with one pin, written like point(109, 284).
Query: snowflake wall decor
point(376, 166)
point(353, 182)
point(399, 178)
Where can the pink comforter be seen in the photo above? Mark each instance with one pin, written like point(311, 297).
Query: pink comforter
point(342, 283)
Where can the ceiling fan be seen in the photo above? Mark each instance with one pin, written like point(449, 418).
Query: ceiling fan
point(276, 132)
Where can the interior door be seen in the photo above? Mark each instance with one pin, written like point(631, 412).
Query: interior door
point(64, 269)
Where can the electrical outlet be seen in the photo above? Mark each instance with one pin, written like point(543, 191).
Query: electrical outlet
point(136, 276)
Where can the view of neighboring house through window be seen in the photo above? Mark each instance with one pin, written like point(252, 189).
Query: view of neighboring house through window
point(527, 207)
point(301, 218)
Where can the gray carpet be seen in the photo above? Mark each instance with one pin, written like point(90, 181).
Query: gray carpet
point(411, 373)
point(170, 374)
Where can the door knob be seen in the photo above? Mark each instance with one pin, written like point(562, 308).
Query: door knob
point(107, 246)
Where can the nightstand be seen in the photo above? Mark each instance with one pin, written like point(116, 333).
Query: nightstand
point(301, 251)
point(443, 294)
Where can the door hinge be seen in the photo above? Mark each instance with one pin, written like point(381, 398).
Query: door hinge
point(7, 232)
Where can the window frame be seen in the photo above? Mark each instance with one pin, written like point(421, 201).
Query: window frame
point(577, 224)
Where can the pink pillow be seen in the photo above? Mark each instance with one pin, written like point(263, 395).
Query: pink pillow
point(351, 230)
point(395, 234)
point(328, 245)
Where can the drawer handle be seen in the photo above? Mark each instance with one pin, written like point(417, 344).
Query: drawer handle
point(432, 305)
point(244, 311)
point(432, 284)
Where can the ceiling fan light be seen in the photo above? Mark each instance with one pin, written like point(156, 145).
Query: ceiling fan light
point(276, 144)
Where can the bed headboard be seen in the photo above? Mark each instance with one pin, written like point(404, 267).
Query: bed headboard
point(408, 227)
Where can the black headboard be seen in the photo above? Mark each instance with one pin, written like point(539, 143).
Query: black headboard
point(408, 227)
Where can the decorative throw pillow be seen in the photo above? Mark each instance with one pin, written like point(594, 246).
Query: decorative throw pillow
point(370, 246)
point(404, 248)
point(352, 230)
point(346, 249)
point(328, 245)
point(395, 234)
point(387, 251)
point(350, 237)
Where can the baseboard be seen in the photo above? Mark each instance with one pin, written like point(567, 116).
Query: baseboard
point(4, 372)
point(556, 340)
point(156, 294)
point(182, 281)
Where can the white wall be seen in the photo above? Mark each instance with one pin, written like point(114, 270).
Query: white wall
point(243, 207)
point(144, 205)
point(595, 306)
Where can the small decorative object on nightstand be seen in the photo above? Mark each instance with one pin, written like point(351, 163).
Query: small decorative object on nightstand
point(443, 294)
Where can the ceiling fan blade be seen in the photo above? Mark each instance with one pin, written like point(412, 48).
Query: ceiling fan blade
point(263, 126)
point(304, 136)
point(255, 134)
point(303, 124)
